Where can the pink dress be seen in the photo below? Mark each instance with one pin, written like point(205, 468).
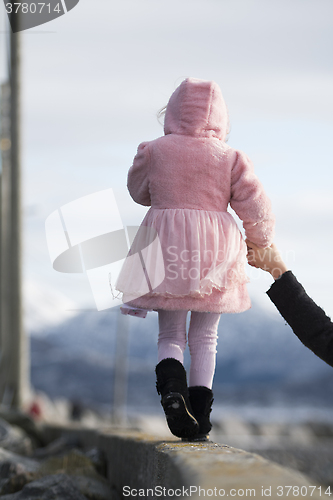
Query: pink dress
point(189, 253)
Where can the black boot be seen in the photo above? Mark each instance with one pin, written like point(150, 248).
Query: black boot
point(201, 399)
point(172, 386)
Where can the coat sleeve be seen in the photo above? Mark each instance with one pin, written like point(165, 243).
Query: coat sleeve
point(308, 321)
point(138, 176)
point(251, 203)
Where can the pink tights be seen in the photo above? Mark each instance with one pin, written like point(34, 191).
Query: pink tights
point(202, 341)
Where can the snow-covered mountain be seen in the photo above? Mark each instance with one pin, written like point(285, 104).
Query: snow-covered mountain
point(259, 361)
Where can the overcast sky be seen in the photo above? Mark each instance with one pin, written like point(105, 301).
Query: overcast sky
point(94, 79)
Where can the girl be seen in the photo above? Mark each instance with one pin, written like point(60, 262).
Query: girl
point(189, 254)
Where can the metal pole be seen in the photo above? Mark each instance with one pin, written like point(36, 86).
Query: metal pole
point(120, 371)
point(14, 365)
point(5, 239)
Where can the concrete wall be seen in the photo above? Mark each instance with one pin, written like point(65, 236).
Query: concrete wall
point(141, 466)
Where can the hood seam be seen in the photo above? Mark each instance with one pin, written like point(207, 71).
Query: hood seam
point(210, 109)
point(182, 106)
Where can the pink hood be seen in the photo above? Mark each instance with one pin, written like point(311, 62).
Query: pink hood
point(197, 108)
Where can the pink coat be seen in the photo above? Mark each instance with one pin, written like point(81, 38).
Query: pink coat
point(189, 177)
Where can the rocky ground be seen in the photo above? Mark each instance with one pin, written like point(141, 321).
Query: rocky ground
point(33, 469)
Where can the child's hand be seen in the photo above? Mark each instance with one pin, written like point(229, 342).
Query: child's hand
point(268, 259)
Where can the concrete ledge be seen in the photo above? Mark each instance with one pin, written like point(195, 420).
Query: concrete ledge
point(139, 465)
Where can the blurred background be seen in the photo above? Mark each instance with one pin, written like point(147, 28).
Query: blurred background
point(93, 81)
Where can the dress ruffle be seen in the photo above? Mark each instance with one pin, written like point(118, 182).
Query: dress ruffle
point(184, 253)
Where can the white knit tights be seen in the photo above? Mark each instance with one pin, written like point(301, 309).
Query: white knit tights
point(202, 341)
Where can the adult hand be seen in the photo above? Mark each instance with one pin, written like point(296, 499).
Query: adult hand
point(267, 259)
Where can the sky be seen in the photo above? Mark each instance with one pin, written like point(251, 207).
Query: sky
point(94, 79)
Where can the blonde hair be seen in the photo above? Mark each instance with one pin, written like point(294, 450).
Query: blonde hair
point(160, 113)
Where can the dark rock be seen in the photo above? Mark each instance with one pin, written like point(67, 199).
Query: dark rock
point(14, 439)
point(56, 447)
point(13, 477)
point(28, 463)
point(25, 422)
point(15, 471)
point(92, 488)
point(82, 471)
point(72, 462)
point(55, 487)
point(98, 459)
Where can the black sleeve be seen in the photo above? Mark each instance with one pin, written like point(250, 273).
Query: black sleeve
point(308, 321)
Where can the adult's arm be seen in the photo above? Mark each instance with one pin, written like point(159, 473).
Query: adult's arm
point(308, 321)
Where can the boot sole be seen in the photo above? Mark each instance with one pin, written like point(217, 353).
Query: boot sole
point(180, 421)
point(197, 438)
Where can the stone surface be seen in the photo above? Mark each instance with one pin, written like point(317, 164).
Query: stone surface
point(228, 469)
point(55, 487)
point(140, 461)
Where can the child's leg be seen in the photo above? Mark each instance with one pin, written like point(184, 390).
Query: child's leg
point(202, 340)
point(172, 334)
point(171, 381)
